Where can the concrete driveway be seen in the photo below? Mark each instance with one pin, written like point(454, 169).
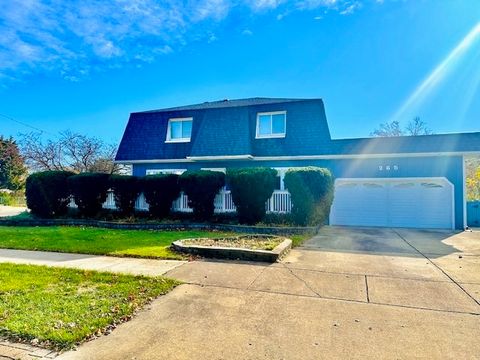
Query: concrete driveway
point(347, 293)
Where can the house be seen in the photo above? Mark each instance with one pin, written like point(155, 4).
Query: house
point(406, 181)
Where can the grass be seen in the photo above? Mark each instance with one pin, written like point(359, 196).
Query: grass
point(61, 307)
point(98, 241)
point(298, 240)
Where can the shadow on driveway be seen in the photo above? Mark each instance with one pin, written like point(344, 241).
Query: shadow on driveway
point(382, 241)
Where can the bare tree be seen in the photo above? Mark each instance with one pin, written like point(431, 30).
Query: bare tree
point(41, 155)
point(418, 127)
point(105, 162)
point(80, 151)
point(69, 151)
point(388, 129)
point(414, 128)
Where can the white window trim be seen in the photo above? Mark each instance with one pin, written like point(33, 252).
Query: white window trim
point(270, 136)
point(179, 140)
point(164, 171)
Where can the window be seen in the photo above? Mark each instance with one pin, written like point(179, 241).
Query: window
point(179, 130)
point(271, 125)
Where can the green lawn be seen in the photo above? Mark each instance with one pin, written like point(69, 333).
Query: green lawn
point(61, 307)
point(87, 240)
point(298, 240)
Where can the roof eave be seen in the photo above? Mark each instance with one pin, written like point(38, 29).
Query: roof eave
point(221, 157)
point(299, 157)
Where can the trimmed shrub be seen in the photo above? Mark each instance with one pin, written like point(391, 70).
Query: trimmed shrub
point(160, 191)
point(311, 189)
point(89, 191)
point(201, 186)
point(125, 191)
point(48, 193)
point(251, 188)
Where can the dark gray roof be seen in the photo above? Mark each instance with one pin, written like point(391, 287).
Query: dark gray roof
point(230, 130)
point(440, 143)
point(226, 103)
point(226, 128)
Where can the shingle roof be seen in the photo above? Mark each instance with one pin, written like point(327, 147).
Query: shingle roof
point(440, 143)
point(226, 103)
point(227, 128)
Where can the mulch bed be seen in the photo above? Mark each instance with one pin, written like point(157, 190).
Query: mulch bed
point(253, 242)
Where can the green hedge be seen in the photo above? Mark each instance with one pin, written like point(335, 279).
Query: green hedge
point(126, 190)
point(89, 191)
point(311, 189)
point(48, 193)
point(160, 191)
point(251, 188)
point(201, 186)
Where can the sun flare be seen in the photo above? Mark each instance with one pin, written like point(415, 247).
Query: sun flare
point(459, 69)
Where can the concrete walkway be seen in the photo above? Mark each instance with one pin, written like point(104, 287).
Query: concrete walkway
point(348, 293)
point(19, 351)
point(131, 266)
point(11, 210)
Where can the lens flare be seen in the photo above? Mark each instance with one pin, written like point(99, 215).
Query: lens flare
point(456, 60)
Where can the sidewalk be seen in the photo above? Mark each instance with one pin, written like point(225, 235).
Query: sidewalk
point(19, 351)
point(132, 266)
point(11, 210)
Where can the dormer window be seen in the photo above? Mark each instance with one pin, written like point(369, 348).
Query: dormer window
point(271, 124)
point(179, 130)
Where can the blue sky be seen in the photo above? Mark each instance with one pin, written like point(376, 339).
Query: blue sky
point(86, 65)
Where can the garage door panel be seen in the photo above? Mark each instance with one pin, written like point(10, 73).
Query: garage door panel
point(374, 204)
point(437, 198)
point(353, 202)
point(393, 202)
point(403, 198)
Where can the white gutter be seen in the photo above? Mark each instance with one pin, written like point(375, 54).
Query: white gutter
point(298, 157)
point(221, 157)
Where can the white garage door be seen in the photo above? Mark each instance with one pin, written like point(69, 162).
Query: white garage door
point(415, 203)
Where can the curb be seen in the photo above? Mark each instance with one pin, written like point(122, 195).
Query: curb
point(219, 252)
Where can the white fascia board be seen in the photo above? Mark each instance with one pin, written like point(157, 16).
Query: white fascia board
point(221, 157)
point(151, 161)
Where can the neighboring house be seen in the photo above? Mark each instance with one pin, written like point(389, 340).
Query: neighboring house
point(407, 181)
